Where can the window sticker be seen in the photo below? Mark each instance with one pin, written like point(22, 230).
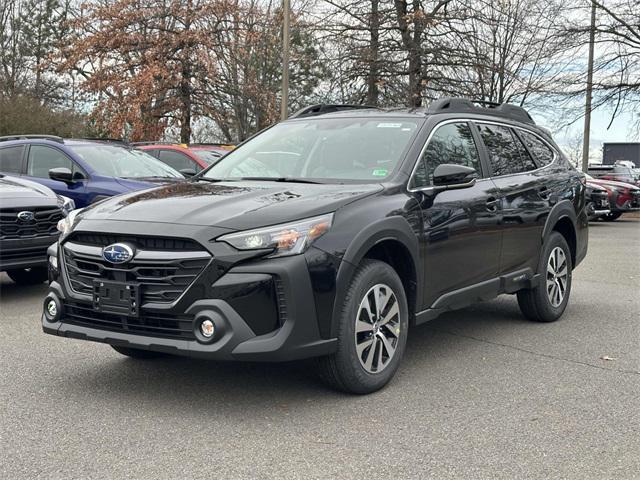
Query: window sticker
point(389, 125)
point(380, 172)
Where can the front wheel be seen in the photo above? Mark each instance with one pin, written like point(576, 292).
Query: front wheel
point(28, 276)
point(547, 302)
point(372, 331)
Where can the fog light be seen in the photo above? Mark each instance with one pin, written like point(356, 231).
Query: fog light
point(53, 261)
point(207, 328)
point(52, 308)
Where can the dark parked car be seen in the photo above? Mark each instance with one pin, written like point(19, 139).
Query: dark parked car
point(29, 214)
point(326, 236)
point(623, 197)
point(597, 199)
point(187, 159)
point(86, 171)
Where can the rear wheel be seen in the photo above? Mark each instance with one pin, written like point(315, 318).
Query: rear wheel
point(372, 332)
point(28, 276)
point(611, 216)
point(138, 353)
point(547, 302)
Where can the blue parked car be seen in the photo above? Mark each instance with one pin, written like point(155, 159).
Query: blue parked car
point(84, 170)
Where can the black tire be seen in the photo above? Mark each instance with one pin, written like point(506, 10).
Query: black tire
point(611, 217)
point(28, 276)
point(343, 370)
point(138, 353)
point(535, 303)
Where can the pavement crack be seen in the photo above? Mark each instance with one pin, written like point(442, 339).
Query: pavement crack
point(537, 354)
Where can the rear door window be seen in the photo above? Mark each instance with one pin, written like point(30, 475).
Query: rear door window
point(11, 159)
point(506, 153)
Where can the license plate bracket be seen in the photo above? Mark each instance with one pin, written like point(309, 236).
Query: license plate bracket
point(116, 297)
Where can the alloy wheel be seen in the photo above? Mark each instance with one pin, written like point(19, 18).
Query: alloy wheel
point(557, 275)
point(377, 331)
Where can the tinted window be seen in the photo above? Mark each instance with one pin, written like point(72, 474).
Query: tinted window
point(542, 153)
point(10, 159)
point(419, 178)
point(176, 160)
point(42, 159)
point(452, 143)
point(525, 157)
point(504, 149)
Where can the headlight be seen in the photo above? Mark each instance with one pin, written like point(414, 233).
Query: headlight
point(66, 224)
point(287, 239)
point(66, 204)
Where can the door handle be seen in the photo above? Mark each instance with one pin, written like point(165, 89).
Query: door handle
point(492, 204)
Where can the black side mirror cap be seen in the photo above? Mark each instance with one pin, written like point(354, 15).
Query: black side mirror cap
point(62, 174)
point(188, 172)
point(451, 176)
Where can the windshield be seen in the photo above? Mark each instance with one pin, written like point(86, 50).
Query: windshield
point(115, 161)
point(207, 156)
point(361, 149)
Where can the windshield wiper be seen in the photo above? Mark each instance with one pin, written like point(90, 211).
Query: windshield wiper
point(149, 177)
point(280, 179)
point(209, 179)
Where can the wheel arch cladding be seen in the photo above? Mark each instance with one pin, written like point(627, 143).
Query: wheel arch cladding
point(562, 219)
point(392, 241)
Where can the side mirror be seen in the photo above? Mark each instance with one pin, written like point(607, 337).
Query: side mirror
point(62, 174)
point(449, 176)
point(188, 172)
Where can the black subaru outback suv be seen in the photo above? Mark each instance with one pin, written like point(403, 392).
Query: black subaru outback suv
point(326, 236)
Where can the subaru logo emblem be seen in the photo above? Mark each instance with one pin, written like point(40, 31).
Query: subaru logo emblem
point(117, 253)
point(26, 216)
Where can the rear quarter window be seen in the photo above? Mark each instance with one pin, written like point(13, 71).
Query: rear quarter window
point(543, 154)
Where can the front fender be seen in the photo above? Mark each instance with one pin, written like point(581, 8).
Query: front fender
point(390, 228)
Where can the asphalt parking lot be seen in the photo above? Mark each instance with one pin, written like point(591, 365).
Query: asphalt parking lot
point(482, 393)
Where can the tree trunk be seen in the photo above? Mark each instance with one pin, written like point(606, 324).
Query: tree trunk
point(374, 54)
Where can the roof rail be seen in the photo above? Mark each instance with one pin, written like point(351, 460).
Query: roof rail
point(158, 142)
point(323, 108)
point(505, 110)
point(108, 140)
point(53, 138)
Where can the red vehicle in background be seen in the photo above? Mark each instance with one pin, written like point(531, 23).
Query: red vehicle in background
point(187, 159)
point(623, 197)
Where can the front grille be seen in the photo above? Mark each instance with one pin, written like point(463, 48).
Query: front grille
point(140, 242)
point(162, 275)
point(150, 324)
point(43, 224)
point(635, 200)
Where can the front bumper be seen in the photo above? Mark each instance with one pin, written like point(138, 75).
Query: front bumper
point(234, 301)
point(25, 252)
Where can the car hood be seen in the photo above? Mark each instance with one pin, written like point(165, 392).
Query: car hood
point(231, 205)
point(16, 188)
point(613, 183)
